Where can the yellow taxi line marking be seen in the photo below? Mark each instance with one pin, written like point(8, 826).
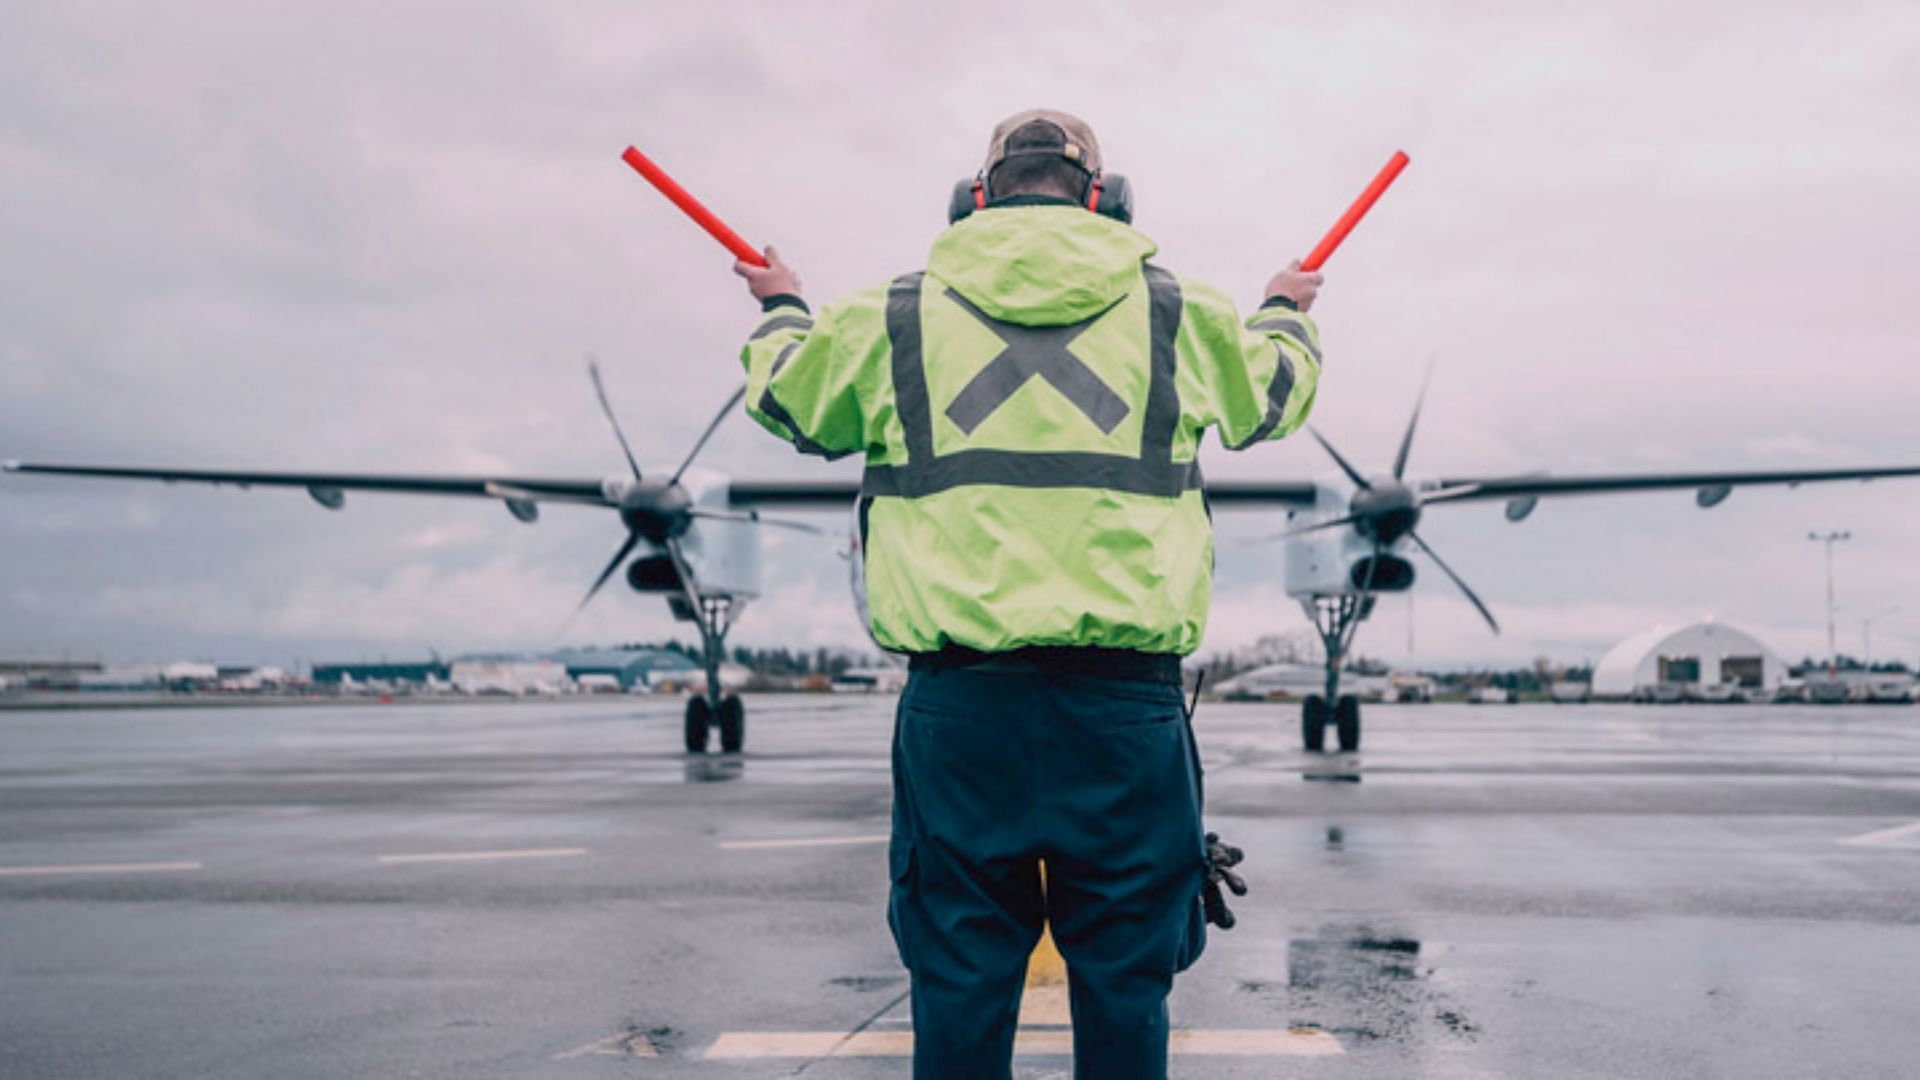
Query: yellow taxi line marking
point(1225, 1042)
point(481, 856)
point(1885, 837)
point(630, 1045)
point(800, 842)
point(100, 868)
point(1045, 1002)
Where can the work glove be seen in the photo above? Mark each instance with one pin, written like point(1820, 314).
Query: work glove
point(1221, 858)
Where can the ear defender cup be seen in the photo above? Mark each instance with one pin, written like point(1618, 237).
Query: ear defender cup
point(1111, 196)
point(968, 196)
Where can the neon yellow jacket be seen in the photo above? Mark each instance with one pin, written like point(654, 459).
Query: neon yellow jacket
point(1030, 408)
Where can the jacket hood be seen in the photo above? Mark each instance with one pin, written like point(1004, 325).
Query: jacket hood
point(1039, 265)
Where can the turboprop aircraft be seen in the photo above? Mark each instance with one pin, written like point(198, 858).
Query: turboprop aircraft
point(693, 531)
point(1352, 537)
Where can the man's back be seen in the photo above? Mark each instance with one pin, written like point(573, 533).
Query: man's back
point(1031, 408)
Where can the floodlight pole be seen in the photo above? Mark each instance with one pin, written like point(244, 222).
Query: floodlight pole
point(1833, 654)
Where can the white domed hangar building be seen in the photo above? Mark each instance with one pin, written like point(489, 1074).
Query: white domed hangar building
point(1704, 660)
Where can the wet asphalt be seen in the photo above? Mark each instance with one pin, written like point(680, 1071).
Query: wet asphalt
point(553, 889)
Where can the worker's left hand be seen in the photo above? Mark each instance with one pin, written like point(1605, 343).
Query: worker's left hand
point(774, 279)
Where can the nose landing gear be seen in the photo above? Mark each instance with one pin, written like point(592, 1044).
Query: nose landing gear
point(1335, 618)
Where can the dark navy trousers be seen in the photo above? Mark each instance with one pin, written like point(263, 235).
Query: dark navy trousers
point(996, 771)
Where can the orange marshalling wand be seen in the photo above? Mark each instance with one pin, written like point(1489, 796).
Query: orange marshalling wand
point(692, 207)
point(1328, 243)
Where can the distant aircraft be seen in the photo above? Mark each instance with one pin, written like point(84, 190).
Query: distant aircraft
point(1352, 538)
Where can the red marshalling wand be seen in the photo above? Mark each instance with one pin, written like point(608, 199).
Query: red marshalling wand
point(1328, 243)
point(692, 207)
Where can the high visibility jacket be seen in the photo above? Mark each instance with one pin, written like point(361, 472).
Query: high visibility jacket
point(1031, 407)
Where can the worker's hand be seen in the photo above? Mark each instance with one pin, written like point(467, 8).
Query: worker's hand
point(1297, 285)
point(774, 279)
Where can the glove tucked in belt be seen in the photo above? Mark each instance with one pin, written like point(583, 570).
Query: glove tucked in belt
point(1221, 858)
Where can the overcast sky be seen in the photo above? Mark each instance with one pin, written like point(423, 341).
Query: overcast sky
point(381, 236)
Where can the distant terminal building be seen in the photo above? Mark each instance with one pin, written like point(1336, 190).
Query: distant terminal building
point(631, 667)
point(1703, 661)
point(422, 673)
point(46, 674)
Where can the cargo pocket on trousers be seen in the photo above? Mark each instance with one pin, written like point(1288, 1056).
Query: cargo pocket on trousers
point(1194, 941)
point(900, 867)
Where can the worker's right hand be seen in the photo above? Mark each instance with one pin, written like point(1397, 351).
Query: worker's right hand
point(774, 279)
point(1297, 285)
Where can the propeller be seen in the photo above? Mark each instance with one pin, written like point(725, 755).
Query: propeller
point(712, 425)
point(1463, 586)
point(753, 517)
point(1406, 440)
point(1387, 508)
point(1353, 474)
point(599, 389)
point(657, 512)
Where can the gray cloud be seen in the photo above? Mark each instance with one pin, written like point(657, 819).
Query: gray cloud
point(386, 236)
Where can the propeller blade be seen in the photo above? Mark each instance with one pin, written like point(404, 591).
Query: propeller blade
point(1353, 474)
point(1406, 441)
point(626, 549)
point(725, 411)
point(1447, 494)
point(752, 517)
point(1289, 534)
point(593, 370)
point(1448, 570)
point(508, 491)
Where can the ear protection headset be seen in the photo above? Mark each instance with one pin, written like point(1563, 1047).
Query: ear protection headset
point(1106, 194)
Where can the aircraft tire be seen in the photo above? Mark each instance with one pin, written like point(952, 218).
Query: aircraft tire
point(699, 716)
point(1346, 722)
point(733, 724)
point(1313, 723)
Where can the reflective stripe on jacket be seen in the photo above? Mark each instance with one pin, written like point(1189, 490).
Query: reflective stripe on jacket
point(1031, 408)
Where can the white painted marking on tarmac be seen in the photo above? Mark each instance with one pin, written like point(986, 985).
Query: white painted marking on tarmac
point(484, 856)
point(800, 842)
point(1898, 836)
point(1189, 1042)
point(630, 1045)
point(101, 868)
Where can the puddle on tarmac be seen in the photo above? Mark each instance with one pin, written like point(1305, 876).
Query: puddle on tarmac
point(866, 982)
point(1329, 776)
point(1363, 984)
point(715, 768)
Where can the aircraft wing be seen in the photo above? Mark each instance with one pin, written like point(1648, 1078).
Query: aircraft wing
point(327, 488)
point(1710, 487)
point(796, 494)
point(1232, 493)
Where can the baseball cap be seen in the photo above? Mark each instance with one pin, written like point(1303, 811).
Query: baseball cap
point(1043, 131)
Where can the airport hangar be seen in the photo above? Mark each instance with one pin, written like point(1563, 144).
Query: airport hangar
point(1704, 653)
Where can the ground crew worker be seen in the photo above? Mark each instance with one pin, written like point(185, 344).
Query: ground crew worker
point(1036, 539)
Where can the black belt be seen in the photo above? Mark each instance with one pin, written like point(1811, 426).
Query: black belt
point(1090, 660)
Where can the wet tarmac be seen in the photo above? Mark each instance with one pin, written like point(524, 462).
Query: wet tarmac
point(553, 890)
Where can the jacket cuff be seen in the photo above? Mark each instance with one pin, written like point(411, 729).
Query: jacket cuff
point(778, 300)
point(1280, 301)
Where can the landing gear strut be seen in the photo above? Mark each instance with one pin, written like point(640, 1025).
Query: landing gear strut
point(714, 615)
point(1335, 619)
